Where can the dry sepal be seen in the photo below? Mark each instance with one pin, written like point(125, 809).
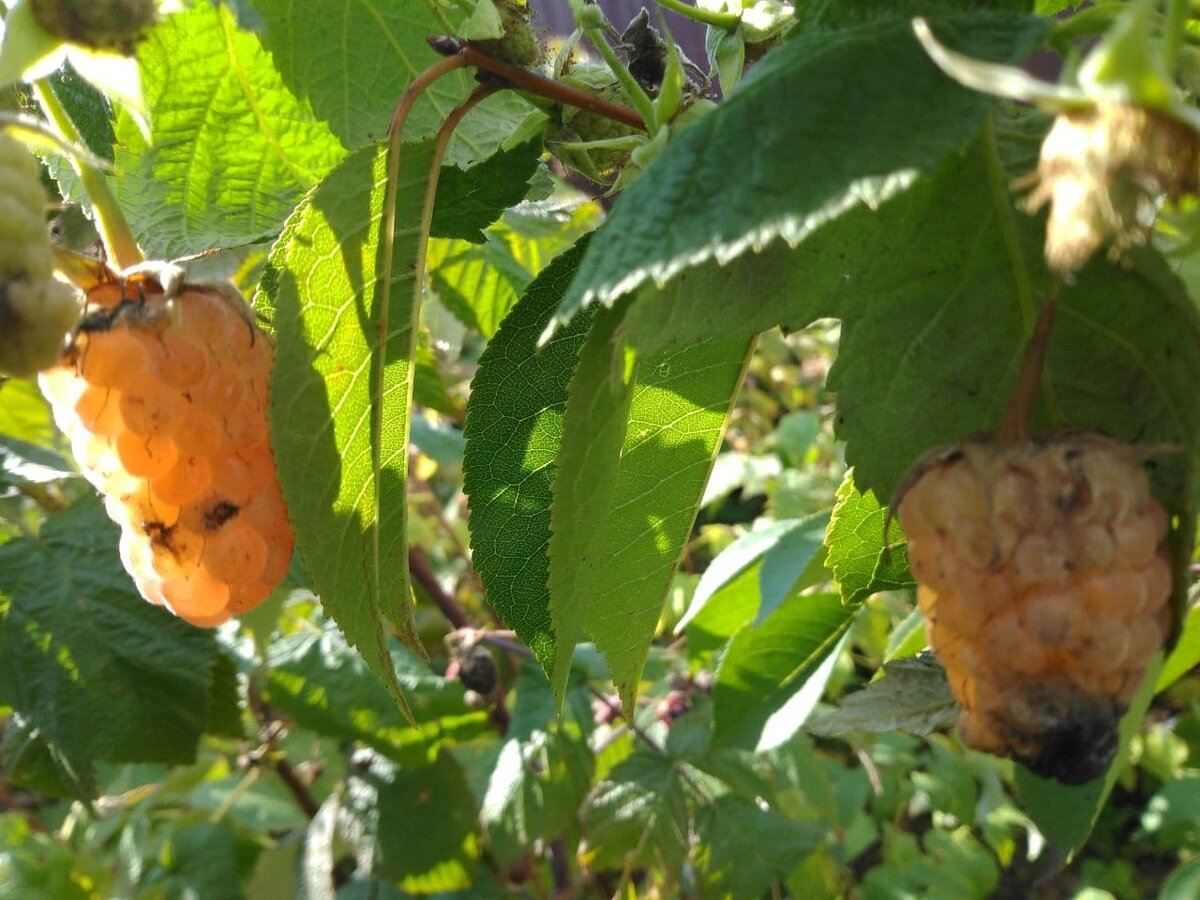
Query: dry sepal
point(1045, 584)
point(1103, 170)
point(36, 311)
point(163, 394)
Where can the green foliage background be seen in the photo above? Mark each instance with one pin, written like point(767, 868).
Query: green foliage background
point(640, 455)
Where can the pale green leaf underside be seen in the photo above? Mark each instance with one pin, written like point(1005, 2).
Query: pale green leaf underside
point(866, 112)
point(638, 444)
point(773, 557)
point(777, 669)
point(478, 283)
point(913, 696)
point(322, 291)
point(233, 149)
point(353, 59)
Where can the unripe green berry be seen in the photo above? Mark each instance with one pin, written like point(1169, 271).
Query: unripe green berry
point(519, 45)
point(102, 24)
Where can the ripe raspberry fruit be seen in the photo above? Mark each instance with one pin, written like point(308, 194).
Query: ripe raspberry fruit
point(36, 311)
point(1045, 586)
point(164, 398)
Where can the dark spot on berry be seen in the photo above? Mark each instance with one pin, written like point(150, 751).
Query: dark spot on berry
point(218, 514)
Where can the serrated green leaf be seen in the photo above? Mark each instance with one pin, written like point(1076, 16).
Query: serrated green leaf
point(867, 112)
point(862, 559)
point(31, 762)
point(25, 414)
point(1124, 356)
point(471, 200)
point(224, 700)
point(679, 409)
point(1185, 656)
point(232, 150)
point(199, 860)
point(639, 811)
point(513, 432)
point(1066, 814)
point(1183, 883)
point(37, 866)
point(422, 823)
point(92, 116)
point(24, 463)
point(538, 231)
point(478, 283)
point(321, 288)
point(97, 671)
point(320, 682)
point(743, 848)
point(774, 557)
point(913, 696)
point(639, 440)
point(372, 51)
point(773, 674)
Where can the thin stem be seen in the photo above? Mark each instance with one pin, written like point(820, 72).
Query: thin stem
point(294, 783)
point(728, 21)
point(1174, 30)
point(1014, 426)
point(538, 85)
point(119, 242)
point(395, 141)
point(423, 575)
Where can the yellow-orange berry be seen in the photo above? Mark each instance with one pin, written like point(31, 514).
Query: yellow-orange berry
point(165, 401)
point(1046, 585)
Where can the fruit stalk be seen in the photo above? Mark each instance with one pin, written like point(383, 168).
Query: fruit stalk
point(119, 243)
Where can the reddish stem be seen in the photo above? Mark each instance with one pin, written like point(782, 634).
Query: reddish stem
point(534, 83)
point(1014, 426)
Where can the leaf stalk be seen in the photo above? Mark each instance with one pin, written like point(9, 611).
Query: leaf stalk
point(119, 243)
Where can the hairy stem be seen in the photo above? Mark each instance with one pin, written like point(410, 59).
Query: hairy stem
point(1014, 426)
point(119, 242)
point(728, 21)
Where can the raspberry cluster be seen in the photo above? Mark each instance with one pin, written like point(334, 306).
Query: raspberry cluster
point(600, 164)
point(36, 311)
point(1045, 585)
point(164, 399)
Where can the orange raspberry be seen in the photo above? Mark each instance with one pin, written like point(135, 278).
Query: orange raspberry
point(1045, 584)
point(164, 397)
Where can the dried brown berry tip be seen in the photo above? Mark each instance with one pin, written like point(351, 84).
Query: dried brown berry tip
point(164, 398)
point(1102, 170)
point(1045, 585)
point(477, 670)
